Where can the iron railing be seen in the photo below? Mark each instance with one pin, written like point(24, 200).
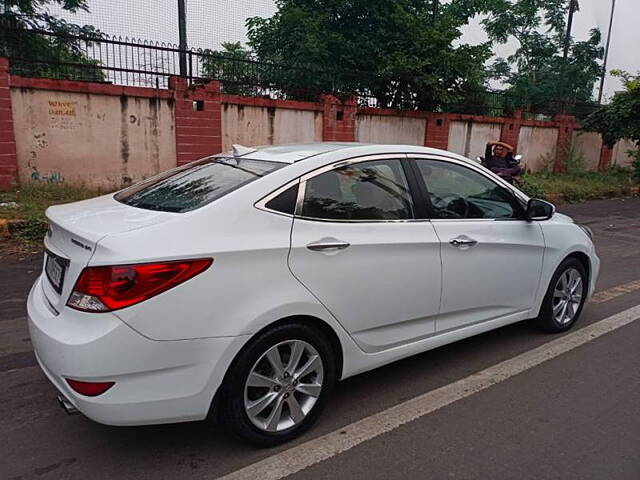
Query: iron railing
point(130, 61)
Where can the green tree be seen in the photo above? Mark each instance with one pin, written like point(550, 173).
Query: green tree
point(620, 118)
point(233, 66)
point(46, 55)
point(404, 53)
point(536, 72)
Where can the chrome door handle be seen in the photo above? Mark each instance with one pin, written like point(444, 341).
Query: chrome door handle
point(463, 241)
point(333, 245)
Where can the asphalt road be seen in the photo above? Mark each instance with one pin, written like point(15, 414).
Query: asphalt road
point(575, 416)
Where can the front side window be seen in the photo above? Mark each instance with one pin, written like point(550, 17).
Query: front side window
point(195, 184)
point(459, 192)
point(375, 190)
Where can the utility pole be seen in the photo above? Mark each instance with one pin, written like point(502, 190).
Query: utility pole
point(567, 38)
point(182, 30)
point(606, 52)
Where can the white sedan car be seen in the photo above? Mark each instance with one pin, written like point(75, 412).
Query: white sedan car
point(242, 286)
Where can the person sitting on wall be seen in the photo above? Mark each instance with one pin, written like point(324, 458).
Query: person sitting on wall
point(499, 159)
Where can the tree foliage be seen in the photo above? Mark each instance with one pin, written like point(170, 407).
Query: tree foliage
point(621, 117)
point(405, 53)
point(56, 53)
point(233, 66)
point(536, 71)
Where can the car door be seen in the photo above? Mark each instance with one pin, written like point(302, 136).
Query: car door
point(360, 246)
point(491, 257)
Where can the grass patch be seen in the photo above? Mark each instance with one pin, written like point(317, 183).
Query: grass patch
point(31, 202)
point(579, 186)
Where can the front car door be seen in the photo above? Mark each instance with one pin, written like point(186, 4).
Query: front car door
point(360, 245)
point(491, 257)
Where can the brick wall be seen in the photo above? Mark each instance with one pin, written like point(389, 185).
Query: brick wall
point(606, 155)
point(436, 133)
point(339, 119)
point(8, 155)
point(566, 126)
point(510, 130)
point(198, 120)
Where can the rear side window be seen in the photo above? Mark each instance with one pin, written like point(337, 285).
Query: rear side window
point(196, 184)
point(374, 191)
point(285, 202)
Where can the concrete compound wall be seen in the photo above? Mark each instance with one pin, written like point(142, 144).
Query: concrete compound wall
point(98, 141)
point(387, 129)
point(105, 136)
point(260, 125)
point(589, 145)
point(470, 138)
point(538, 147)
point(621, 156)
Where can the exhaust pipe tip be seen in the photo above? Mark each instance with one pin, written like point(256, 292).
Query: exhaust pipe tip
point(67, 405)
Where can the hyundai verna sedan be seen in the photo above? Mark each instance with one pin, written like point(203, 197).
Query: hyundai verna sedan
point(242, 286)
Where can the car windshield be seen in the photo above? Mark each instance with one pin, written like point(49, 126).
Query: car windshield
point(195, 184)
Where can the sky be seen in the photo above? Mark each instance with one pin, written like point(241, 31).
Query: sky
point(211, 22)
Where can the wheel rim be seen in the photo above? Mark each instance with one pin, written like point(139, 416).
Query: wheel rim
point(283, 385)
point(567, 296)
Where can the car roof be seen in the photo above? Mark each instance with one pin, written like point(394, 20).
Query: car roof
point(293, 153)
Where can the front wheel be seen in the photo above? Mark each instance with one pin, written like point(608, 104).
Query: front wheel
point(277, 386)
point(565, 297)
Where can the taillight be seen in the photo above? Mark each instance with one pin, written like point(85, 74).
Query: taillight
point(89, 389)
point(103, 289)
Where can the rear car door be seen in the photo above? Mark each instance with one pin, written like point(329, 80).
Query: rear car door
point(360, 245)
point(491, 257)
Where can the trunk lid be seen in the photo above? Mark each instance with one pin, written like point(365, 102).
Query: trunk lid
point(73, 233)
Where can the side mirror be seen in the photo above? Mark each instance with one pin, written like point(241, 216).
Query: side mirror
point(539, 210)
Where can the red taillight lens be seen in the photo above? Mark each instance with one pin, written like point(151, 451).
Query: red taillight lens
point(102, 289)
point(90, 389)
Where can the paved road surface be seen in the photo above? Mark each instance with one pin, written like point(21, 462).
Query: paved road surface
point(575, 416)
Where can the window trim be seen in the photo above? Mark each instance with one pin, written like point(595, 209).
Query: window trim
point(400, 157)
point(424, 190)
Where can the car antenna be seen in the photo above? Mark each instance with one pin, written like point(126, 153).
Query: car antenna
point(240, 150)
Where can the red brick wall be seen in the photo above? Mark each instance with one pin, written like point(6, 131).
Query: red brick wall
point(8, 157)
point(606, 155)
point(436, 134)
point(566, 126)
point(510, 131)
point(198, 120)
point(339, 119)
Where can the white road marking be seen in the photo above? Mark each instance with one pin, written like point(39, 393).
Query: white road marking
point(322, 448)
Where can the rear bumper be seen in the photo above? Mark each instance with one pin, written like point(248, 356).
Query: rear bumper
point(156, 381)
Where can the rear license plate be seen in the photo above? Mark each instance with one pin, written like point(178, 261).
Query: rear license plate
point(55, 268)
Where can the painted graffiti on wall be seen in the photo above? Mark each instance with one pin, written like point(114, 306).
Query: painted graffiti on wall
point(62, 115)
point(53, 177)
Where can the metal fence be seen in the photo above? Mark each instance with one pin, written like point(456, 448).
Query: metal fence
point(130, 61)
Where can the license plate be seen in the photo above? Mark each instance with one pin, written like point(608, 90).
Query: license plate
point(55, 268)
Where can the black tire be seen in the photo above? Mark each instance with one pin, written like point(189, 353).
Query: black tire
point(546, 320)
point(231, 409)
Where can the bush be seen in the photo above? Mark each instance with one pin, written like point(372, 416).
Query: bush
point(579, 186)
point(635, 165)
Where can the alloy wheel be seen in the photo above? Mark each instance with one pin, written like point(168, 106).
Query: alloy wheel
point(283, 385)
point(567, 296)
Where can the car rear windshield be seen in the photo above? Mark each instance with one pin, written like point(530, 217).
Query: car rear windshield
point(195, 184)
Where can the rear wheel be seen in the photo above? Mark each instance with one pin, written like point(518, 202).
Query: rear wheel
point(277, 386)
point(565, 297)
